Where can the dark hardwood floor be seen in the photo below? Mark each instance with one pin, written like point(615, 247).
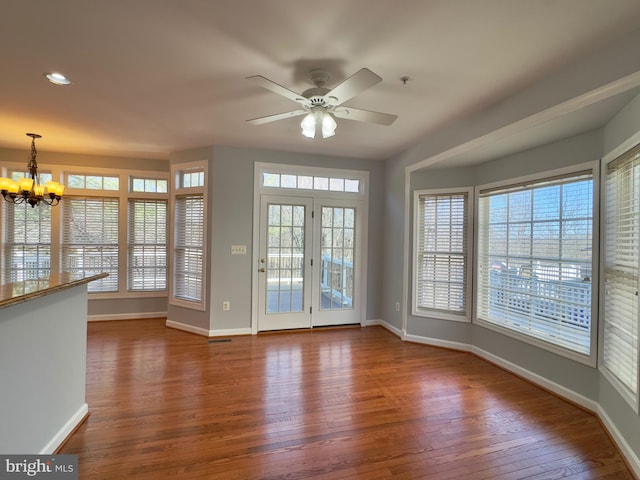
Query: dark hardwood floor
point(346, 403)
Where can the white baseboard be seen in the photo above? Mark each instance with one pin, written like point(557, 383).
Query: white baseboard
point(207, 333)
point(371, 323)
point(66, 430)
point(126, 316)
point(436, 342)
point(545, 383)
point(632, 459)
point(230, 332)
point(386, 325)
point(185, 327)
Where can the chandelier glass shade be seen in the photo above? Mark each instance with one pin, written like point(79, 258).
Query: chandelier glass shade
point(29, 189)
point(318, 119)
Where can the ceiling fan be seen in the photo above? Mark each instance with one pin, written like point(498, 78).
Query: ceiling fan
point(321, 104)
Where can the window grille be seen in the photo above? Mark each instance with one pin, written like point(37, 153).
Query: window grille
point(535, 260)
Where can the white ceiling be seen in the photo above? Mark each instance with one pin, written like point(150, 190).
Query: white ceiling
point(156, 76)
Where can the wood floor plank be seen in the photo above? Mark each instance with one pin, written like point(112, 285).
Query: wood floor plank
point(331, 404)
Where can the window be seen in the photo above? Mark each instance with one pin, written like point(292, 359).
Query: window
point(106, 222)
point(149, 185)
point(619, 358)
point(27, 239)
point(189, 246)
point(147, 245)
point(93, 182)
point(189, 236)
point(535, 261)
point(337, 246)
point(310, 182)
point(27, 248)
point(187, 179)
point(442, 267)
point(90, 239)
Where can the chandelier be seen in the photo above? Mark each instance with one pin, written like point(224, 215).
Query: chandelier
point(29, 189)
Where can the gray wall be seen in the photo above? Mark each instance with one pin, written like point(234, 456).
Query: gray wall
point(623, 126)
point(75, 159)
point(232, 205)
point(231, 175)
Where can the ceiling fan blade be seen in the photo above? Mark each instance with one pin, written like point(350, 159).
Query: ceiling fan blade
point(364, 115)
point(278, 116)
point(264, 82)
point(349, 88)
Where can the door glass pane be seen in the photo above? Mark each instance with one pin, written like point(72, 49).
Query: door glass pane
point(285, 258)
point(337, 246)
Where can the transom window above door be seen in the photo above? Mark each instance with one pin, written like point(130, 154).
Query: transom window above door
point(273, 177)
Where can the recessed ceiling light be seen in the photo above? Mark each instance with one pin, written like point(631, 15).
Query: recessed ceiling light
point(57, 78)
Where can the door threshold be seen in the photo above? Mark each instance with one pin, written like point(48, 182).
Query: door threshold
point(311, 329)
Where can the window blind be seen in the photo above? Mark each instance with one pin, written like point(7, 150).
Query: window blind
point(90, 240)
point(189, 248)
point(622, 264)
point(535, 260)
point(147, 249)
point(441, 253)
point(27, 246)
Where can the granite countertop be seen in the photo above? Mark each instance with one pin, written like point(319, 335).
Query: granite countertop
point(17, 292)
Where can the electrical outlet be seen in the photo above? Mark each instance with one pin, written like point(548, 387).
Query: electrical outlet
point(226, 305)
point(397, 306)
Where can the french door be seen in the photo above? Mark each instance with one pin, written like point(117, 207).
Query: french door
point(309, 263)
point(284, 264)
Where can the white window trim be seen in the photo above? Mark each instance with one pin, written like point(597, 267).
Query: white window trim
point(438, 314)
point(591, 359)
point(175, 191)
point(633, 399)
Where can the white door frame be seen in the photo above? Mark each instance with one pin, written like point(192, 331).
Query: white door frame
point(362, 196)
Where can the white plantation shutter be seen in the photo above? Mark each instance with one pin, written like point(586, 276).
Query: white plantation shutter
point(535, 260)
point(90, 240)
point(147, 265)
point(189, 248)
point(441, 258)
point(622, 265)
point(27, 246)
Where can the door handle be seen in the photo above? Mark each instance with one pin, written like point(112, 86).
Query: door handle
point(262, 270)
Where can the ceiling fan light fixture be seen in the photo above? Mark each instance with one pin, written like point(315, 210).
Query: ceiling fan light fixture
point(318, 119)
point(308, 125)
point(328, 125)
